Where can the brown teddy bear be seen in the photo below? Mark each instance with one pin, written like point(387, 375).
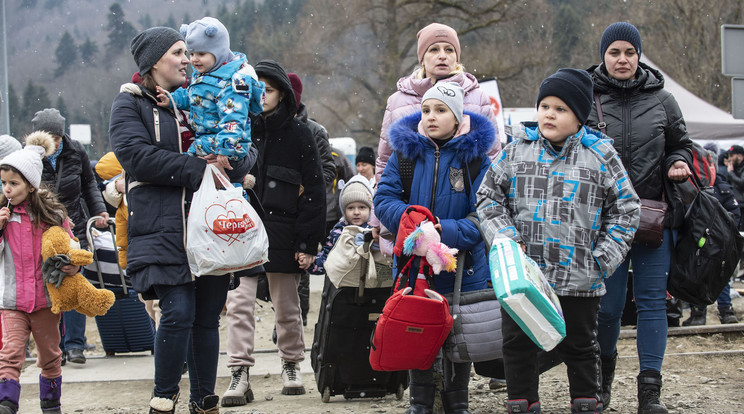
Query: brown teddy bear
point(68, 292)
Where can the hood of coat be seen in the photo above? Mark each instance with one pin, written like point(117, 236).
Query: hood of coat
point(413, 85)
point(275, 71)
point(648, 79)
point(404, 137)
point(529, 131)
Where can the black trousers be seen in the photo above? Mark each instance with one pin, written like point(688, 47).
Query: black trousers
point(579, 350)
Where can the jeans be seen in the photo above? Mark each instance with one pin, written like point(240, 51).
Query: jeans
point(74, 331)
point(650, 270)
point(188, 332)
point(724, 299)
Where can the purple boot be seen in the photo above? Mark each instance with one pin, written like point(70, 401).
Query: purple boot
point(50, 391)
point(10, 391)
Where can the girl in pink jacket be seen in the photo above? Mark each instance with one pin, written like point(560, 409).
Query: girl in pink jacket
point(27, 211)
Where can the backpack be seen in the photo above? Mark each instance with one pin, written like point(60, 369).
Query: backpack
point(707, 250)
point(406, 166)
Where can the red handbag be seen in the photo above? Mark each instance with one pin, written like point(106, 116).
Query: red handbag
point(411, 329)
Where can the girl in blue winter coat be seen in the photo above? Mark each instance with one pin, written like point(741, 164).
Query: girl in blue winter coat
point(223, 92)
point(442, 142)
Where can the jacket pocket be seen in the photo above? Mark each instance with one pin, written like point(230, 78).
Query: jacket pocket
point(282, 189)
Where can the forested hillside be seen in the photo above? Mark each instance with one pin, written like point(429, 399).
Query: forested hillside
point(74, 54)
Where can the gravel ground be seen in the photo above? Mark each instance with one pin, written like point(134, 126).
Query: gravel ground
point(693, 383)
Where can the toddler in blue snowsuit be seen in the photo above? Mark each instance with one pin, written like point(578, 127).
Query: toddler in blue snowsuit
point(224, 91)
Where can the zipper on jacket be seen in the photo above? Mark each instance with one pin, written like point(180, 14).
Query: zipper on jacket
point(434, 182)
point(156, 117)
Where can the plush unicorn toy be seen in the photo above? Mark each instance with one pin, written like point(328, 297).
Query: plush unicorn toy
point(425, 241)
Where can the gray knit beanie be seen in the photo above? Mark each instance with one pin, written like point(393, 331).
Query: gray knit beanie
point(208, 35)
point(449, 93)
point(355, 191)
point(149, 46)
point(49, 120)
point(8, 145)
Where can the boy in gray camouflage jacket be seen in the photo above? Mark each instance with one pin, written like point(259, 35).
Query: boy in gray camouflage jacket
point(561, 191)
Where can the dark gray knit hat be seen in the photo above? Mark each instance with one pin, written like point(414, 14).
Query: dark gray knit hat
point(49, 120)
point(149, 46)
point(620, 31)
point(572, 86)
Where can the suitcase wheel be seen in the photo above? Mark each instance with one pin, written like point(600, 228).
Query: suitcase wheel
point(327, 394)
point(399, 392)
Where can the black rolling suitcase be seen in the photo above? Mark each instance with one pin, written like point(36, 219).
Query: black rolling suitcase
point(340, 351)
point(126, 327)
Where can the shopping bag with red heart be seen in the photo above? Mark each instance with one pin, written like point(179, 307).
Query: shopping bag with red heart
point(224, 232)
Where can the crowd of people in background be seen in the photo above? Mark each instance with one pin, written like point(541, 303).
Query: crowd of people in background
point(612, 125)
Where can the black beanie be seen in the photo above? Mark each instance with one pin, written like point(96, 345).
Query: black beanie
point(149, 46)
point(366, 154)
point(620, 31)
point(574, 87)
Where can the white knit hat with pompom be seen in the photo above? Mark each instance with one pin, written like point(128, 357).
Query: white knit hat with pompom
point(27, 161)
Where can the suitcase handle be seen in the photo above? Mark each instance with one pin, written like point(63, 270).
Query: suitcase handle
point(89, 236)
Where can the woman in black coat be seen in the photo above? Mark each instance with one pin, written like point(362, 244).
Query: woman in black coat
point(149, 144)
point(651, 139)
point(67, 172)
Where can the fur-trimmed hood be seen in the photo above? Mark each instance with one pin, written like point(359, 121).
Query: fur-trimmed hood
point(405, 138)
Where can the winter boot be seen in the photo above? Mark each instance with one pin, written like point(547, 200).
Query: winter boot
point(649, 392)
point(10, 392)
point(586, 405)
point(608, 375)
point(421, 398)
point(50, 391)
point(209, 405)
point(455, 401)
point(726, 314)
point(163, 405)
point(292, 378)
point(239, 392)
point(522, 406)
point(697, 316)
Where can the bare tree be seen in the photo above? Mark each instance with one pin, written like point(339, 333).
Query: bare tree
point(356, 51)
point(683, 38)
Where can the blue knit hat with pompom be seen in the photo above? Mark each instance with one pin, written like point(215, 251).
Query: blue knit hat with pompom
point(208, 35)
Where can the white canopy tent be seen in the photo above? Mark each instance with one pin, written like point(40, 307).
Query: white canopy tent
point(705, 122)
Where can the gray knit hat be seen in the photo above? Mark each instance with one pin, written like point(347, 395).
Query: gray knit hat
point(28, 160)
point(355, 191)
point(449, 93)
point(208, 35)
point(8, 145)
point(149, 46)
point(49, 120)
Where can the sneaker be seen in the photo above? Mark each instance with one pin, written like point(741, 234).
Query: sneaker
point(727, 315)
point(292, 378)
point(76, 356)
point(586, 405)
point(239, 391)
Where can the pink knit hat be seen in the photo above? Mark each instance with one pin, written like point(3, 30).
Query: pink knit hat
point(434, 33)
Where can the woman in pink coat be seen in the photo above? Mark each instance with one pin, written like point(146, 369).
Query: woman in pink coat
point(439, 56)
